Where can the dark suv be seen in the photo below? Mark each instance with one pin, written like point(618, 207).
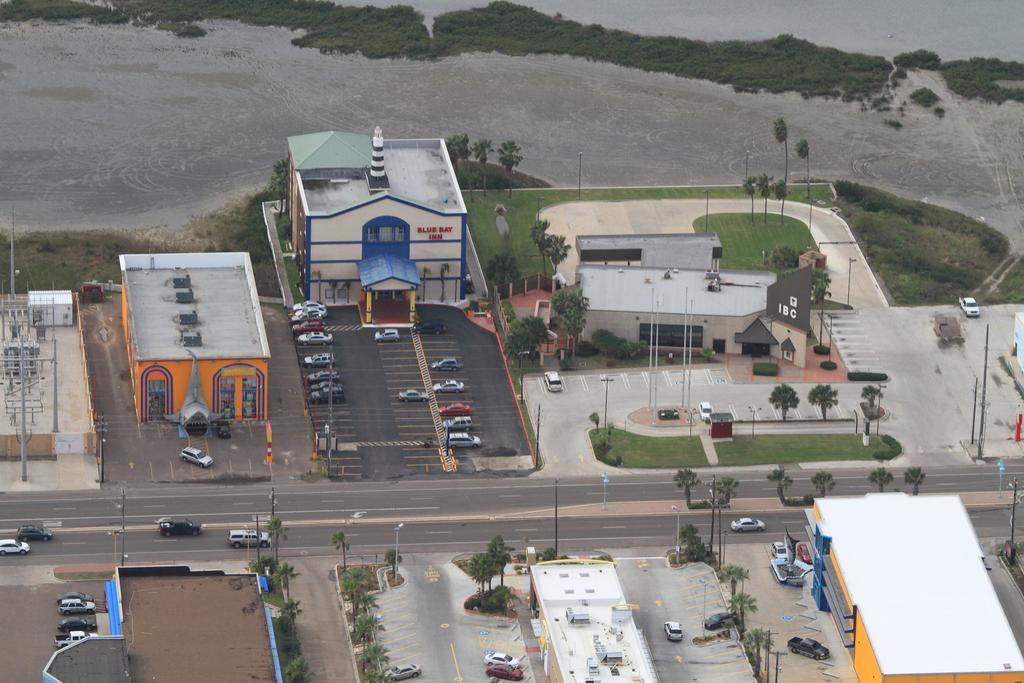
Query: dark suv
point(181, 527)
point(34, 533)
point(429, 327)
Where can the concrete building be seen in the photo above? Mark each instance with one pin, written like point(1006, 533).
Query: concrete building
point(376, 222)
point(197, 347)
point(906, 581)
point(589, 635)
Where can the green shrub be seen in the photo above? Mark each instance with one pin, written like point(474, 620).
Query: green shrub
point(924, 97)
point(918, 59)
point(893, 123)
point(827, 365)
point(891, 450)
point(700, 505)
point(802, 501)
point(867, 376)
point(508, 310)
point(939, 111)
point(822, 350)
point(585, 349)
point(565, 363)
point(766, 369)
point(979, 78)
point(472, 602)
point(607, 342)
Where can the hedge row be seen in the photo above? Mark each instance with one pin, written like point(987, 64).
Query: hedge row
point(867, 376)
point(766, 369)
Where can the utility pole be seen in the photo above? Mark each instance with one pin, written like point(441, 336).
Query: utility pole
point(123, 537)
point(606, 381)
point(259, 562)
point(272, 502)
point(55, 428)
point(778, 655)
point(721, 539)
point(657, 340)
point(556, 518)
point(536, 447)
point(714, 500)
point(1013, 523)
point(650, 353)
point(974, 410)
point(767, 657)
point(579, 180)
point(21, 377)
point(984, 391)
point(101, 432)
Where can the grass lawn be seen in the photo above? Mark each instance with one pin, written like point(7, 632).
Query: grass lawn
point(84, 576)
point(777, 448)
point(522, 207)
point(654, 451)
point(743, 242)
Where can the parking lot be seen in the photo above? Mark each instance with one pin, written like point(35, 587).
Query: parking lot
point(425, 624)
point(381, 436)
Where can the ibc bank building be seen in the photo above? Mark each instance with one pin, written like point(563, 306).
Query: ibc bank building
point(376, 223)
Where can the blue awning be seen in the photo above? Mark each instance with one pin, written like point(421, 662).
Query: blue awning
point(384, 267)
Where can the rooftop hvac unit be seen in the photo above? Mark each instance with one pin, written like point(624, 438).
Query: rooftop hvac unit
point(189, 318)
point(577, 616)
point(192, 339)
point(185, 296)
point(182, 281)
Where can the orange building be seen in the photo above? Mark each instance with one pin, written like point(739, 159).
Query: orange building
point(197, 346)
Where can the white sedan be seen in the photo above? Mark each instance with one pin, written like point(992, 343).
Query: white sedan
point(449, 386)
point(970, 307)
point(747, 524)
point(315, 338)
point(492, 657)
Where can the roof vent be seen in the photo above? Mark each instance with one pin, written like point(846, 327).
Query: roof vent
point(191, 339)
point(182, 281)
point(185, 296)
point(189, 318)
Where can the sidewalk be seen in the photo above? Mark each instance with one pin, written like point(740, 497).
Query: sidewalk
point(326, 644)
point(275, 245)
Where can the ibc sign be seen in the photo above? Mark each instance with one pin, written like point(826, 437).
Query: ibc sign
point(789, 310)
point(789, 299)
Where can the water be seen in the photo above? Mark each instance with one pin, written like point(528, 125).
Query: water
point(118, 127)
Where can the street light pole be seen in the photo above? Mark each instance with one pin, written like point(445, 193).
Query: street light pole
point(974, 410)
point(123, 537)
point(606, 381)
point(675, 509)
point(394, 565)
point(1013, 524)
point(714, 501)
point(753, 419)
point(746, 167)
point(707, 209)
point(579, 180)
point(849, 278)
point(556, 518)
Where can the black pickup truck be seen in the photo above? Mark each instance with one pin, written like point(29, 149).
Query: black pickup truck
point(178, 527)
point(808, 648)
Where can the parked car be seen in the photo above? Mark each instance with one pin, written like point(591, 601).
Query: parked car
point(76, 606)
point(494, 657)
point(333, 394)
point(320, 360)
point(179, 527)
point(802, 553)
point(461, 424)
point(747, 524)
point(673, 631)
point(322, 376)
point(30, 532)
point(505, 672)
point(76, 624)
point(308, 326)
point(248, 537)
point(455, 409)
point(808, 647)
point(553, 381)
point(9, 546)
point(74, 595)
point(387, 335)
point(446, 365)
point(463, 440)
point(307, 315)
point(401, 673)
point(705, 411)
point(413, 396)
point(780, 551)
point(429, 327)
point(223, 430)
point(64, 639)
point(196, 456)
point(970, 307)
point(326, 385)
point(309, 305)
point(315, 339)
point(719, 620)
point(449, 386)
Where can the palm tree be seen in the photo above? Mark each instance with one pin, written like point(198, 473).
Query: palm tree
point(365, 602)
point(782, 135)
point(423, 280)
point(914, 476)
point(764, 188)
point(733, 573)
point(686, 479)
point(557, 250)
point(726, 489)
point(509, 156)
point(284, 575)
point(374, 656)
point(290, 610)
point(365, 627)
point(824, 397)
point(501, 555)
point(779, 190)
point(750, 189)
point(297, 671)
point(742, 604)
point(781, 480)
point(803, 150)
point(819, 292)
point(481, 148)
point(870, 394)
point(445, 267)
point(824, 482)
point(481, 569)
point(278, 185)
point(784, 398)
point(458, 148)
point(539, 237)
point(755, 642)
point(502, 269)
point(277, 531)
point(881, 477)
point(352, 581)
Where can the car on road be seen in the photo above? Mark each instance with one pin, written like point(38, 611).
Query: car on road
point(31, 532)
point(319, 360)
point(673, 631)
point(76, 624)
point(334, 393)
point(970, 307)
point(505, 672)
point(196, 456)
point(9, 546)
point(322, 376)
point(429, 327)
point(387, 335)
point(808, 647)
point(747, 524)
point(495, 657)
point(705, 411)
point(315, 339)
point(446, 365)
point(247, 537)
point(401, 673)
point(455, 409)
point(719, 620)
point(76, 606)
point(413, 396)
point(553, 382)
point(463, 440)
point(449, 386)
point(308, 326)
point(74, 595)
point(179, 527)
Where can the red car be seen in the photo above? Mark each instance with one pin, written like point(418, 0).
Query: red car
point(308, 326)
point(455, 409)
point(505, 672)
point(802, 553)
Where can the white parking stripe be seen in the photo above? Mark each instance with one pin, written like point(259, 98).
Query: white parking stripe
point(775, 412)
point(625, 379)
point(583, 380)
point(646, 381)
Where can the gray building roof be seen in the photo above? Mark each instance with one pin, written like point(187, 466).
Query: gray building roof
point(229, 320)
point(690, 251)
point(616, 288)
point(101, 659)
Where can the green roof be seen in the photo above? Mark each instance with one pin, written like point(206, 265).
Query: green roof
point(330, 149)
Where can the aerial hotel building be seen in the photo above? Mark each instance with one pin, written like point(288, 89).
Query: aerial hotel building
point(378, 223)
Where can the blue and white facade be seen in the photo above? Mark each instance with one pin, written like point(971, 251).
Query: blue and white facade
point(354, 198)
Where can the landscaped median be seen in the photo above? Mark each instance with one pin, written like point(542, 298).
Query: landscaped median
point(624, 449)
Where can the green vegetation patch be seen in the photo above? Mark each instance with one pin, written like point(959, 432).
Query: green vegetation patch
point(769, 449)
point(986, 79)
point(744, 241)
point(925, 254)
point(647, 451)
point(924, 97)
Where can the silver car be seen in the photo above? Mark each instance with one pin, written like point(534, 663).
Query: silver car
point(449, 386)
point(401, 673)
point(196, 456)
point(388, 335)
point(412, 396)
point(312, 338)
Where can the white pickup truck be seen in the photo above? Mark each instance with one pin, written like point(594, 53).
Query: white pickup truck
point(65, 639)
point(970, 307)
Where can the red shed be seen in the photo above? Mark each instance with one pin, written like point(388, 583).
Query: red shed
point(721, 425)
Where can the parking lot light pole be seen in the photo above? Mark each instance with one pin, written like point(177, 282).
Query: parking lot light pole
point(394, 566)
point(849, 278)
point(676, 510)
point(754, 410)
point(606, 381)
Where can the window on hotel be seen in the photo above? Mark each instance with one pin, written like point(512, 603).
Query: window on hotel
point(386, 233)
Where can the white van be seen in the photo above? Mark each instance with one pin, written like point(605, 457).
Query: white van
point(461, 423)
point(463, 440)
point(553, 381)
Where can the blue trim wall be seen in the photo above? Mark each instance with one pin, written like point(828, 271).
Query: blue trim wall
point(462, 269)
point(113, 607)
point(306, 273)
point(273, 645)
